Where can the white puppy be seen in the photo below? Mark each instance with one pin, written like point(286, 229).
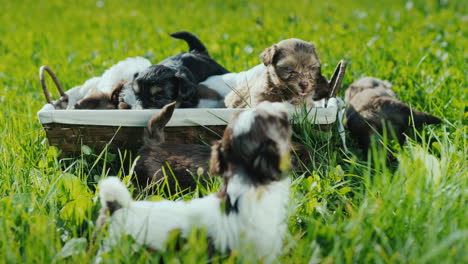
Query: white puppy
point(249, 211)
point(97, 92)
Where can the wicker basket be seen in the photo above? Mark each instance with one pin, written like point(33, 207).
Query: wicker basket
point(68, 130)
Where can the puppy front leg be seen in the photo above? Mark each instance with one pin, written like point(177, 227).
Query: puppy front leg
point(235, 99)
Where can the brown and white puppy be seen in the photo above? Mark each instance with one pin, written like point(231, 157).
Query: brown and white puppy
point(249, 214)
point(292, 73)
point(156, 155)
point(373, 108)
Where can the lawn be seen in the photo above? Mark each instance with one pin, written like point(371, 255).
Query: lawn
point(344, 209)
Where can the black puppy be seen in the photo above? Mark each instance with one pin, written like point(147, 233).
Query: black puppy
point(173, 79)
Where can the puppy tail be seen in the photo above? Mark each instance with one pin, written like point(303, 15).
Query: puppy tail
point(194, 43)
point(154, 131)
point(113, 194)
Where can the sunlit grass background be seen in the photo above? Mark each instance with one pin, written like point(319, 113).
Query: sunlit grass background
point(346, 209)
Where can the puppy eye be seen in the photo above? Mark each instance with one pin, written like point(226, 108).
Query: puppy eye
point(313, 67)
point(288, 69)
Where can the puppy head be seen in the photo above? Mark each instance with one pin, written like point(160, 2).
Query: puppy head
point(298, 68)
point(159, 85)
point(366, 83)
point(255, 144)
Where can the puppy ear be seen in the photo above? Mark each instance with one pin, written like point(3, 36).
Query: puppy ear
point(87, 103)
point(217, 163)
point(322, 90)
point(115, 94)
point(268, 55)
point(267, 164)
point(154, 131)
point(123, 105)
point(95, 101)
point(421, 118)
point(399, 112)
point(188, 92)
point(313, 49)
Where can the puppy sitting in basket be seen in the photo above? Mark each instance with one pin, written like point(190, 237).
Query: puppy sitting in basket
point(173, 79)
point(249, 211)
point(291, 71)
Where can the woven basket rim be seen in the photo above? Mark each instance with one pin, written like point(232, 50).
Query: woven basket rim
point(181, 117)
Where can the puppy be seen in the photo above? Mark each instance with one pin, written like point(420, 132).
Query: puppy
point(103, 92)
point(373, 107)
point(185, 160)
point(248, 214)
point(175, 78)
point(291, 71)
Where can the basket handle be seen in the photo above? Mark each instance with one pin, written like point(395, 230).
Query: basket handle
point(337, 78)
point(63, 95)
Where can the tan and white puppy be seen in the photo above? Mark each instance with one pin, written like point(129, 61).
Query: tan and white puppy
point(292, 73)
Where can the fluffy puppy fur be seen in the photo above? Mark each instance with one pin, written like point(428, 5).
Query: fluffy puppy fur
point(185, 160)
point(291, 72)
point(248, 213)
point(103, 92)
point(213, 90)
point(79, 92)
point(373, 107)
point(175, 78)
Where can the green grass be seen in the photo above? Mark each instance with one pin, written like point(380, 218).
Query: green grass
point(346, 209)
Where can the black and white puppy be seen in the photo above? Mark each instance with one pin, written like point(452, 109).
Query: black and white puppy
point(249, 212)
point(173, 79)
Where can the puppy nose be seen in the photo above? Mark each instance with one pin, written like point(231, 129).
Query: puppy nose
point(303, 84)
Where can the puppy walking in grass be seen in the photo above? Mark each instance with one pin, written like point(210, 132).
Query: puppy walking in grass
point(248, 214)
